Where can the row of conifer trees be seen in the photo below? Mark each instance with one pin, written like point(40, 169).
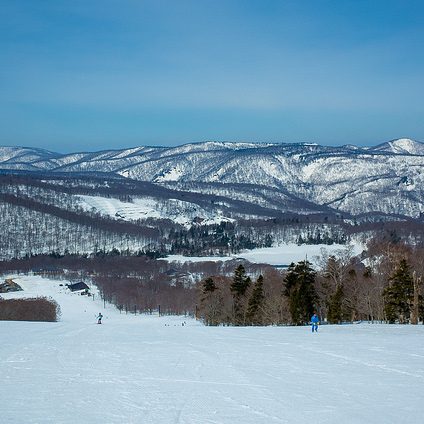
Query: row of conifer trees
point(304, 291)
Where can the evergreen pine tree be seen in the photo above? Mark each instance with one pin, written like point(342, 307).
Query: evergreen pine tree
point(417, 307)
point(211, 303)
point(253, 314)
point(335, 314)
point(300, 290)
point(399, 295)
point(240, 282)
point(239, 286)
point(208, 286)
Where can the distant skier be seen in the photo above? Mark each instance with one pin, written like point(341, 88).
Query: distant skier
point(314, 322)
point(99, 318)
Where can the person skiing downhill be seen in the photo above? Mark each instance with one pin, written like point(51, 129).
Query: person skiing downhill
point(99, 318)
point(314, 322)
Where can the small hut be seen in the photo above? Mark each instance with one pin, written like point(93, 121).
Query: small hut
point(78, 287)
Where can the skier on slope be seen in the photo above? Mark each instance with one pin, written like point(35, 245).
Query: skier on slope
point(99, 318)
point(314, 322)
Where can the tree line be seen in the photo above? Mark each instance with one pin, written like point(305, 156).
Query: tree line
point(134, 283)
point(388, 289)
point(385, 284)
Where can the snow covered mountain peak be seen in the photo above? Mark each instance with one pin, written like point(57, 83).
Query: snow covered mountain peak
point(401, 146)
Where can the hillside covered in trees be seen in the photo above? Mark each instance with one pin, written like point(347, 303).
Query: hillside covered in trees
point(86, 215)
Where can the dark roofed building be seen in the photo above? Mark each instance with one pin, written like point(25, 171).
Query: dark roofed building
point(78, 286)
point(9, 286)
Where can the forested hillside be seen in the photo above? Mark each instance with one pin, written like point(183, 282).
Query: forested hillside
point(86, 215)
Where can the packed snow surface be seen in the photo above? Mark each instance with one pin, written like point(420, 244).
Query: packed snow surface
point(282, 255)
point(150, 369)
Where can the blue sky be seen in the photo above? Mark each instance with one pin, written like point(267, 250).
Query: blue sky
point(91, 75)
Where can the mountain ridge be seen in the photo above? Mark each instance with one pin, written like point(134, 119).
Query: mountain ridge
point(385, 178)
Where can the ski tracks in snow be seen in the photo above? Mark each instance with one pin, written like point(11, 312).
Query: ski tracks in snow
point(152, 370)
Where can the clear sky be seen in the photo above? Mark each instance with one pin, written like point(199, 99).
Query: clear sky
point(99, 74)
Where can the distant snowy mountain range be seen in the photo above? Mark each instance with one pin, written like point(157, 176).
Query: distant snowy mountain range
point(301, 178)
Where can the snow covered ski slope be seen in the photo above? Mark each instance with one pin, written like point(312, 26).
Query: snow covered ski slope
point(150, 369)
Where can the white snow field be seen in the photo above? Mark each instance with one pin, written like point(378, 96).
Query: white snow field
point(150, 369)
point(279, 255)
point(142, 208)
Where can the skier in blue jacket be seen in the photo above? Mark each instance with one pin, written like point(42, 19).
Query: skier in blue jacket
point(314, 322)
